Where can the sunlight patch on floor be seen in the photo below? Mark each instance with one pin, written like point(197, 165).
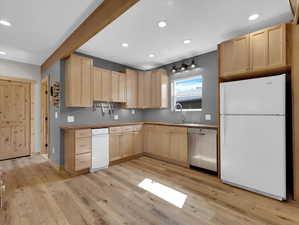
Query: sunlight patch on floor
point(166, 193)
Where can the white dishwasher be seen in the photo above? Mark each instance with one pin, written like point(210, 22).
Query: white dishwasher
point(99, 149)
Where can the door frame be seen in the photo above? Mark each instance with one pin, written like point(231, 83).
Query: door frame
point(32, 105)
point(44, 110)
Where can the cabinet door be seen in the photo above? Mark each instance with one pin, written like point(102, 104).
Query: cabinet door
point(97, 84)
point(155, 89)
point(277, 46)
point(86, 67)
point(141, 92)
point(137, 142)
point(162, 139)
point(122, 88)
point(131, 89)
point(149, 139)
point(115, 87)
point(241, 54)
point(106, 85)
point(179, 145)
point(126, 144)
point(259, 50)
point(225, 58)
point(147, 88)
point(114, 147)
point(73, 81)
point(164, 98)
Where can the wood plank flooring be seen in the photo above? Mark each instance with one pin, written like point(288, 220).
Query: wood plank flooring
point(39, 195)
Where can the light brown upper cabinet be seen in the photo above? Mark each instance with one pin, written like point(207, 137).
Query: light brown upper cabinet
point(78, 81)
point(234, 56)
point(268, 48)
point(160, 87)
point(261, 52)
point(118, 87)
point(153, 89)
point(108, 86)
point(131, 89)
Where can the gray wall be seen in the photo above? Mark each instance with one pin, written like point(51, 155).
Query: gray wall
point(208, 69)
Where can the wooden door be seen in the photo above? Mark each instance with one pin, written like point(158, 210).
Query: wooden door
point(122, 88)
point(115, 87)
point(259, 50)
point(106, 85)
point(15, 115)
point(97, 84)
point(114, 147)
point(240, 58)
point(141, 86)
point(86, 67)
point(277, 46)
point(179, 145)
point(131, 88)
point(225, 59)
point(44, 116)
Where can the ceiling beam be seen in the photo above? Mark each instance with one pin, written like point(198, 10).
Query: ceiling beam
point(105, 14)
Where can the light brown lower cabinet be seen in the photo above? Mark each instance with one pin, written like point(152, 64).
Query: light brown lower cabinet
point(125, 142)
point(77, 150)
point(167, 143)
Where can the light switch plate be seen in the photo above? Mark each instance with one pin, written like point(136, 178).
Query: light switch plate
point(208, 117)
point(116, 117)
point(70, 119)
point(56, 115)
point(133, 111)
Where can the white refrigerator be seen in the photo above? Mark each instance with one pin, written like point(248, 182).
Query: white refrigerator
point(253, 136)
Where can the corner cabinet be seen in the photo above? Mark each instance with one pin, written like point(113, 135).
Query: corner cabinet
point(262, 52)
point(78, 71)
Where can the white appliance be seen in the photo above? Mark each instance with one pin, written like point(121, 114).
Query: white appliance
point(253, 136)
point(100, 149)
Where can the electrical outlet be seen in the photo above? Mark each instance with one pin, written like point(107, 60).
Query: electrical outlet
point(70, 119)
point(53, 150)
point(116, 117)
point(208, 117)
point(56, 115)
point(133, 111)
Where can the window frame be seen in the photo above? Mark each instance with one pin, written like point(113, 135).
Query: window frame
point(173, 95)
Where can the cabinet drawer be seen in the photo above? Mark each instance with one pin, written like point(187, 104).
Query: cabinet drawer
point(83, 161)
point(127, 128)
point(83, 133)
point(178, 130)
point(137, 128)
point(114, 130)
point(83, 145)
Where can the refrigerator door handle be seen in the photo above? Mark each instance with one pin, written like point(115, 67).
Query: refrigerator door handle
point(222, 98)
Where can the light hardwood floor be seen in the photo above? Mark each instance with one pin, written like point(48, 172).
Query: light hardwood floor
point(39, 195)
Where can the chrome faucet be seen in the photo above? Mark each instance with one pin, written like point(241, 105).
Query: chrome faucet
point(179, 106)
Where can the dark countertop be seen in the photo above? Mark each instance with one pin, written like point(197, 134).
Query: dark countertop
point(107, 125)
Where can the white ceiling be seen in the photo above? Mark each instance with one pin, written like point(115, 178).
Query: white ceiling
point(205, 22)
point(39, 26)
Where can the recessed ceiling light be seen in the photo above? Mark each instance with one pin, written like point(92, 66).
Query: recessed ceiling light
point(162, 24)
point(151, 55)
point(125, 45)
point(253, 17)
point(2, 53)
point(188, 41)
point(5, 23)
